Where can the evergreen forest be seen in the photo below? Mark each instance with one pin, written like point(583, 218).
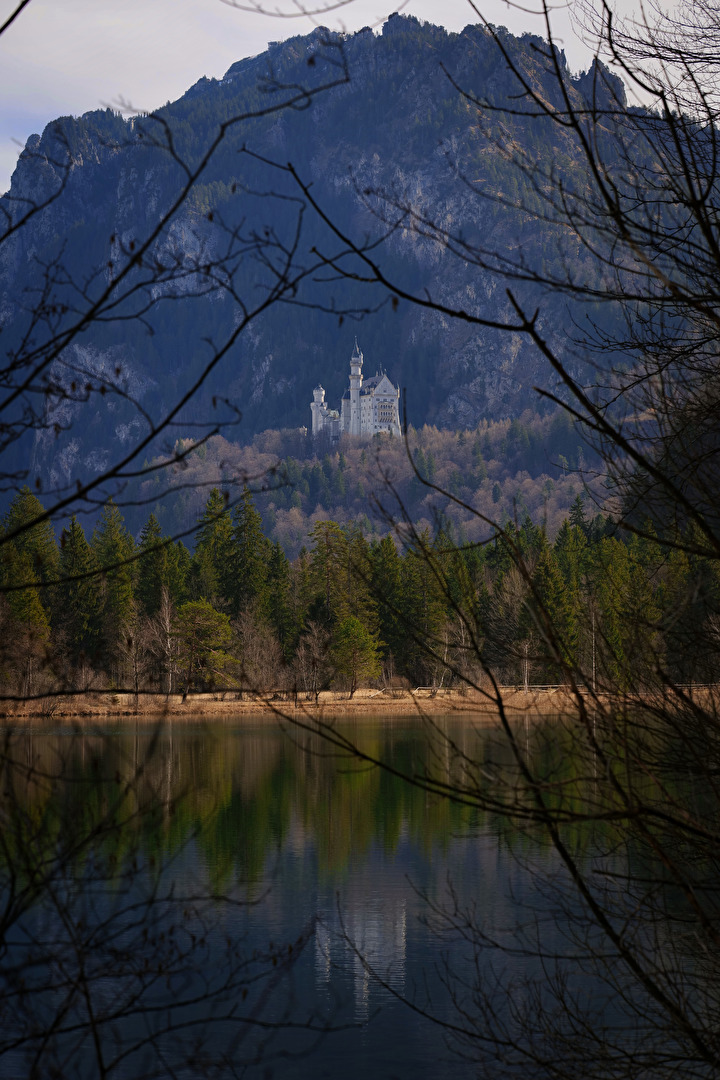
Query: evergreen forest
point(412, 607)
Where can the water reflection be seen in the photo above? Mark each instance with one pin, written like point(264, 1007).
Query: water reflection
point(297, 838)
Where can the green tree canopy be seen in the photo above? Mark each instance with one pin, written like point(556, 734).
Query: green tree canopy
point(203, 637)
point(212, 559)
point(355, 652)
point(78, 596)
point(113, 546)
point(249, 556)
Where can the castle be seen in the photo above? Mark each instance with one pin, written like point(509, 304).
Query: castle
point(367, 408)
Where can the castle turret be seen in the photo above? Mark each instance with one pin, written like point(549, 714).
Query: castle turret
point(369, 406)
point(318, 409)
point(356, 363)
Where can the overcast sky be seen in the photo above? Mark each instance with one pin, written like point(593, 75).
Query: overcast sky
point(64, 57)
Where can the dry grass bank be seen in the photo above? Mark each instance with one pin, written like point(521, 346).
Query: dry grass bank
point(234, 705)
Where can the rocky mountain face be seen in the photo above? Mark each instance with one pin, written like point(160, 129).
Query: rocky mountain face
point(248, 276)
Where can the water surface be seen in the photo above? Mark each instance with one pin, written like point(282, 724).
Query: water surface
point(322, 950)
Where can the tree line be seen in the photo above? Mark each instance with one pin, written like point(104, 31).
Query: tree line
point(414, 606)
point(499, 470)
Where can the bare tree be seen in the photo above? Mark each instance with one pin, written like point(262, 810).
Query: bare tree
point(616, 978)
point(313, 669)
point(51, 380)
point(107, 965)
point(634, 826)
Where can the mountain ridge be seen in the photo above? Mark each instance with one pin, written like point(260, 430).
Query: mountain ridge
point(396, 126)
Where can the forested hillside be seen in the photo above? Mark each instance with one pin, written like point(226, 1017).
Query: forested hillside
point(391, 124)
point(109, 612)
point(498, 471)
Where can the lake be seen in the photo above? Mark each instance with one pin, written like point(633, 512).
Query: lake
point(216, 899)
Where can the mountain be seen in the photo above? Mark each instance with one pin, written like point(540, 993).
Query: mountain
point(393, 129)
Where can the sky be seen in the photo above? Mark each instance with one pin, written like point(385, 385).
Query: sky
point(62, 57)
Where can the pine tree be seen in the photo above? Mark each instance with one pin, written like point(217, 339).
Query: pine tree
point(203, 637)
point(278, 604)
point(210, 571)
point(609, 585)
point(577, 516)
point(422, 612)
point(79, 599)
point(113, 546)
point(152, 574)
point(35, 544)
point(249, 555)
point(328, 562)
point(301, 593)
point(356, 596)
point(26, 631)
point(571, 555)
point(178, 570)
point(642, 639)
point(553, 621)
point(386, 587)
point(354, 651)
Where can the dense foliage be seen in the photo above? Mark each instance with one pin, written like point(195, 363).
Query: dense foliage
point(500, 470)
point(410, 604)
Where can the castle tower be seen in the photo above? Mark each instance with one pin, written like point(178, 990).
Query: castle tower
point(356, 363)
point(318, 408)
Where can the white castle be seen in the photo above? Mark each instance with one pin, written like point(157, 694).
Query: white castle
point(367, 407)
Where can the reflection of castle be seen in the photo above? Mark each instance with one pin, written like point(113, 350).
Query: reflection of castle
point(367, 408)
point(371, 937)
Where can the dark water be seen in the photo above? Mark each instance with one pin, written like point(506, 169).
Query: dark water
point(248, 899)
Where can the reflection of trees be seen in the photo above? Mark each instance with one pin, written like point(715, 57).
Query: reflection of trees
point(106, 965)
point(241, 798)
point(240, 793)
point(113, 961)
point(632, 198)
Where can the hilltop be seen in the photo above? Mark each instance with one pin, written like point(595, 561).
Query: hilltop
point(394, 123)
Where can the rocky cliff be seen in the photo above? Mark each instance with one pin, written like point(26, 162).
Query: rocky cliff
point(401, 127)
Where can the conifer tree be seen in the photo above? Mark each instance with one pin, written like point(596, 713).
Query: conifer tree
point(577, 516)
point(423, 611)
point(355, 652)
point(25, 636)
point(36, 544)
point(153, 574)
point(301, 591)
point(211, 562)
point(277, 602)
point(203, 637)
point(113, 546)
point(328, 563)
point(387, 588)
point(179, 563)
point(356, 596)
point(78, 596)
point(641, 610)
point(571, 556)
point(249, 556)
point(610, 582)
point(552, 622)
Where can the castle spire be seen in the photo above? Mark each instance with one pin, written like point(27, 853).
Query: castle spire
point(356, 381)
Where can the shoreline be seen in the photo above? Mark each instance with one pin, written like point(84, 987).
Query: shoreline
point(536, 703)
point(221, 705)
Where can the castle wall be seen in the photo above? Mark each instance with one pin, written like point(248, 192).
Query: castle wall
point(366, 409)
